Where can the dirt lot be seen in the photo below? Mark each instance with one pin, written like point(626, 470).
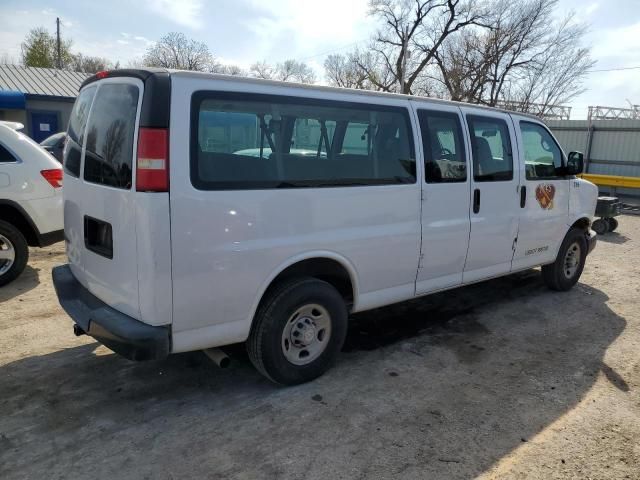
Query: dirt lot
point(499, 380)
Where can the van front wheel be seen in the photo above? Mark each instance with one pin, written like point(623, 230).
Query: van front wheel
point(564, 273)
point(298, 331)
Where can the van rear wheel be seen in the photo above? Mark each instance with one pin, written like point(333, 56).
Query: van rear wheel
point(14, 253)
point(298, 331)
point(564, 273)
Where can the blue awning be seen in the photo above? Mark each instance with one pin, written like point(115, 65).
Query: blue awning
point(10, 99)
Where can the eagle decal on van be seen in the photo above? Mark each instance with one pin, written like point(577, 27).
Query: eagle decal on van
point(544, 194)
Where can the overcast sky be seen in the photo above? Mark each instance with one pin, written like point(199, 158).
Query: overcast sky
point(243, 31)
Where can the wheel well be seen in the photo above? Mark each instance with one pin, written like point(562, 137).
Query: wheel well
point(582, 223)
point(331, 271)
point(15, 217)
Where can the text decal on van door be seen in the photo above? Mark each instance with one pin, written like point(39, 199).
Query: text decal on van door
point(544, 194)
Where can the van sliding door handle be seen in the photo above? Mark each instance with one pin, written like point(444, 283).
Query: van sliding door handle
point(523, 196)
point(476, 200)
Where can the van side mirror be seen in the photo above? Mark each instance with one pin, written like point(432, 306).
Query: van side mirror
point(575, 163)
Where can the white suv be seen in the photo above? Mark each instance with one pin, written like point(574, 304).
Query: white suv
point(30, 200)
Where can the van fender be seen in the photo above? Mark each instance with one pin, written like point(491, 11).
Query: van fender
point(346, 263)
point(573, 220)
point(577, 218)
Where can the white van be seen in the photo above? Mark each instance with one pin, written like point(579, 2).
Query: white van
point(203, 210)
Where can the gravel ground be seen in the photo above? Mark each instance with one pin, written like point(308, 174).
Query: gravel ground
point(503, 379)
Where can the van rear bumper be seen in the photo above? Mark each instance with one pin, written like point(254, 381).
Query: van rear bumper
point(124, 335)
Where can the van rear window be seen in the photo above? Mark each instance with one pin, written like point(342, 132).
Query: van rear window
point(110, 130)
point(250, 141)
point(77, 123)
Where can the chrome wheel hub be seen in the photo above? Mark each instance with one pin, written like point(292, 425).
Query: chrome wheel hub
point(306, 334)
point(572, 260)
point(7, 254)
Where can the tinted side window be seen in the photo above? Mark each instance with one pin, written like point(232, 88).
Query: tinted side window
point(77, 122)
point(6, 156)
point(491, 144)
point(109, 154)
point(245, 141)
point(541, 153)
point(444, 155)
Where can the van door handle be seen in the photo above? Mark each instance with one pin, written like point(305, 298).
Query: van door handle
point(523, 196)
point(476, 200)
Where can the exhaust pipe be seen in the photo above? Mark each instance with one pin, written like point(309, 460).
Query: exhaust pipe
point(78, 331)
point(220, 358)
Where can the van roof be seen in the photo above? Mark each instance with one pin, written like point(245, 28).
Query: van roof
point(144, 73)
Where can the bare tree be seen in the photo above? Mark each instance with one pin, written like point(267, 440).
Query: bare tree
point(287, 71)
point(262, 70)
point(295, 71)
point(515, 40)
point(411, 33)
point(175, 50)
point(344, 71)
point(462, 67)
point(524, 57)
point(556, 75)
point(492, 52)
point(229, 70)
point(88, 64)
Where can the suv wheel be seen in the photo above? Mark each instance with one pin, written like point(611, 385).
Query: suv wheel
point(564, 273)
point(14, 252)
point(298, 331)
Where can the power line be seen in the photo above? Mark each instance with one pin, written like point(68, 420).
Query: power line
point(614, 69)
point(333, 50)
point(328, 52)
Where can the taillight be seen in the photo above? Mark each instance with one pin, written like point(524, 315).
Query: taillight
point(152, 168)
point(54, 177)
point(102, 74)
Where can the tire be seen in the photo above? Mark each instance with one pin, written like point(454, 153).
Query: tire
point(564, 273)
point(600, 226)
point(14, 247)
point(299, 310)
point(613, 224)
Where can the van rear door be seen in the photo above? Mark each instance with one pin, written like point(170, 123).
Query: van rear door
point(100, 208)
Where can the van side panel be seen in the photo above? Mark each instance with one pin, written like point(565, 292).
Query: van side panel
point(154, 257)
point(227, 244)
point(583, 197)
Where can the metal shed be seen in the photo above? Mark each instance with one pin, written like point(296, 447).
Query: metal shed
point(40, 98)
point(611, 147)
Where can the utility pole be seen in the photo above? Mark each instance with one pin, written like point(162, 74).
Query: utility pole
point(405, 48)
point(59, 62)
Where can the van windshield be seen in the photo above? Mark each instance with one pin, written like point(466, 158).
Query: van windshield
point(110, 132)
